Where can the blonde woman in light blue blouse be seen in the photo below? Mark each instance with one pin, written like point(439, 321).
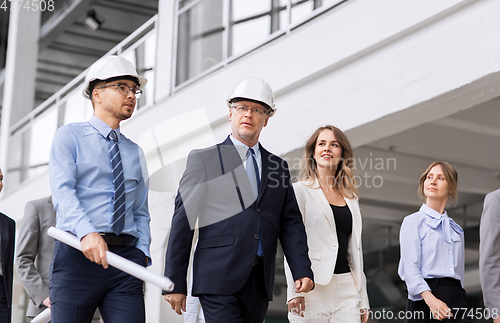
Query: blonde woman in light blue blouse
point(432, 252)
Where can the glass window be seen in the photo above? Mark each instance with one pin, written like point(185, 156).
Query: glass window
point(183, 3)
point(249, 34)
point(148, 72)
point(206, 37)
point(199, 42)
point(327, 3)
point(253, 21)
point(244, 8)
point(301, 9)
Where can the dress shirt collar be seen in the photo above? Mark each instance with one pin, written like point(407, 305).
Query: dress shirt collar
point(451, 230)
point(431, 212)
point(243, 152)
point(102, 127)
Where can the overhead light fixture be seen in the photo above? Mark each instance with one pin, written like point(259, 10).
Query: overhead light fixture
point(93, 21)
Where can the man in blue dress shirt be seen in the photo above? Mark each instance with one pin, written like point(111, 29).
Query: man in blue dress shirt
point(99, 190)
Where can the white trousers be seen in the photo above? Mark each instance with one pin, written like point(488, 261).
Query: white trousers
point(337, 302)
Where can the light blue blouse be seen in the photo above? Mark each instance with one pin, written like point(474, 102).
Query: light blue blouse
point(432, 246)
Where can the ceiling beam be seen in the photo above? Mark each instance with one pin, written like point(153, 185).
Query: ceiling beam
point(54, 27)
point(468, 126)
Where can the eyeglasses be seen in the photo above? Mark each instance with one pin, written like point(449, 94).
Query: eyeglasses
point(244, 109)
point(124, 90)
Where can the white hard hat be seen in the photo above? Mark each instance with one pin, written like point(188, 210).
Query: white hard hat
point(254, 89)
point(110, 67)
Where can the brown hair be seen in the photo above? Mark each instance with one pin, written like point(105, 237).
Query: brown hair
point(450, 174)
point(344, 179)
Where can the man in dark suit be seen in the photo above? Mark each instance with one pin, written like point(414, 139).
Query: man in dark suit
point(7, 237)
point(240, 197)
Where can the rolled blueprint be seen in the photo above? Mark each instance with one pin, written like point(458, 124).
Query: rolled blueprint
point(117, 261)
point(43, 317)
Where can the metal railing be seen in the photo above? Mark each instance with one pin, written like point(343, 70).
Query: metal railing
point(292, 18)
point(31, 137)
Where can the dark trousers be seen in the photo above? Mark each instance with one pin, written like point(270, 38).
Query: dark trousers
point(4, 306)
point(449, 291)
point(249, 305)
point(79, 286)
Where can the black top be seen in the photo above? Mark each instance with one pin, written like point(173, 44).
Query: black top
point(343, 222)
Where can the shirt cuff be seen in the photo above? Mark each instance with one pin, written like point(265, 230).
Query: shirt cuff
point(414, 290)
point(145, 250)
point(82, 229)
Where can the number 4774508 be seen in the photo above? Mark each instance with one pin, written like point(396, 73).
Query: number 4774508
point(28, 5)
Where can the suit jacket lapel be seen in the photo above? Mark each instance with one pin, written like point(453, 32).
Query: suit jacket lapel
point(4, 230)
point(266, 164)
point(322, 202)
point(232, 161)
point(230, 156)
point(356, 220)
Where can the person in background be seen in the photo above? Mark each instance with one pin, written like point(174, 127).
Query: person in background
point(432, 252)
point(328, 200)
point(7, 237)
point(34, 254)
point(489, 254)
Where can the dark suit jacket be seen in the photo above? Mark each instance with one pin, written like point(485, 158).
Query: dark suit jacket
point(34, 252)
point(7, 234)
point(215, 192)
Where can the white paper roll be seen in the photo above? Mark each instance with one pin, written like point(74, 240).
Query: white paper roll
point(117, 261)
point(43, 317)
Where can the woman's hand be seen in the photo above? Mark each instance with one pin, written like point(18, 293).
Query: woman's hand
point(439, 309)
point(297, 306)
point(364, 315)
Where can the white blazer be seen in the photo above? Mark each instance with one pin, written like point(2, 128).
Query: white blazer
point(322, 240)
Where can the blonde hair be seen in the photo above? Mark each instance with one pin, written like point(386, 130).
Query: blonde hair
point(344, 179)
point(450, 174)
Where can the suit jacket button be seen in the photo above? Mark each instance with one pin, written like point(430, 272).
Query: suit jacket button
point(256, 237)
point(258, 210)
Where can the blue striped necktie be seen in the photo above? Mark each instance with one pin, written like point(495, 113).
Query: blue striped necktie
point(253, 176)
point(118, 217)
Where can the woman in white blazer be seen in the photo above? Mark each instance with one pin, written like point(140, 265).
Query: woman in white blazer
point(328, 200)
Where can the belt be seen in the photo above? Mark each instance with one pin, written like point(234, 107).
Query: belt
point(121, 240)
point(257, 260)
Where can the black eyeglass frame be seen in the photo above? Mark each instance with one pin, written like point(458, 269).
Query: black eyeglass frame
point(137, 93)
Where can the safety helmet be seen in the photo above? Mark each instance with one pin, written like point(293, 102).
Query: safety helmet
point(111, 66)
point(254, 89)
